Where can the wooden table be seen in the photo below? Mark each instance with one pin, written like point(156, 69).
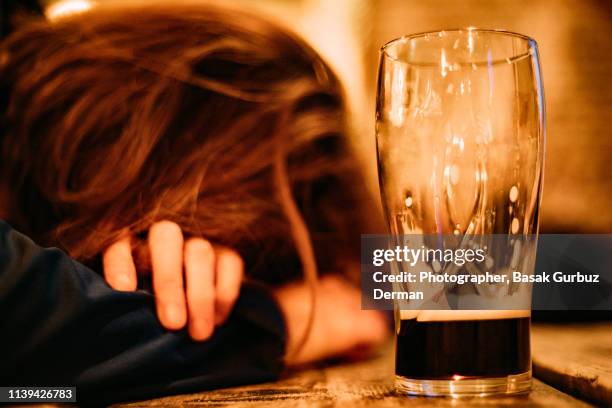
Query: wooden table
point(570, 357)
point(575, 358)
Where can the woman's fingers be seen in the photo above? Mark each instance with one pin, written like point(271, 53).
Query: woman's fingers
point(213, 277)
point(339, 325)
point(229, 271)
point(200, 277)
point(119, 268)
point(166, 247)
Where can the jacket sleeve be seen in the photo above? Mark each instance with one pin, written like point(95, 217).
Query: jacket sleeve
point(61, 325)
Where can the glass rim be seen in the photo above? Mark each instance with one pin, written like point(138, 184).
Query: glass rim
point(533, 45)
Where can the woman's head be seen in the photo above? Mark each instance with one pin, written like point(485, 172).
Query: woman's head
point(120, 117)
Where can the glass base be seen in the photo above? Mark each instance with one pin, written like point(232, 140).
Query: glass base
point(465, 387)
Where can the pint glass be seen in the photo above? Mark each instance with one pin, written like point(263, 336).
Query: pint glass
point(460, 128)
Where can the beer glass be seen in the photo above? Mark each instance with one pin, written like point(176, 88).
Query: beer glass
point(460, 128)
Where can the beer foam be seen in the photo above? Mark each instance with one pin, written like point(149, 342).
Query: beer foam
point(448, 315)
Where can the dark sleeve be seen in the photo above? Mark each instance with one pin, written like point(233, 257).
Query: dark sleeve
point(61, 325)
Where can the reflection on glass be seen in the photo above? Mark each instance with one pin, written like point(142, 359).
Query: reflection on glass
point(460, 138)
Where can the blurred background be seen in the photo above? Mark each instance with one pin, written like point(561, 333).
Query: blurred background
point(576, 54)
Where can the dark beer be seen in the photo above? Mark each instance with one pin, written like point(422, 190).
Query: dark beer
point(458, 349)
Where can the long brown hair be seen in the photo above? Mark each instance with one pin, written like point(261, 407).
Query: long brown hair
point(216, 119)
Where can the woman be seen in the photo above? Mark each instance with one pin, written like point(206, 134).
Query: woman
point(168, 135)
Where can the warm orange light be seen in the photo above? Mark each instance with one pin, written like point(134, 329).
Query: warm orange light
point(67, 7)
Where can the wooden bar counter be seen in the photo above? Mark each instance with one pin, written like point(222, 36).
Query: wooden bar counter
point(572, 366)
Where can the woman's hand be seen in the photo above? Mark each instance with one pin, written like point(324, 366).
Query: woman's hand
point(339, 327)
point(192, 280)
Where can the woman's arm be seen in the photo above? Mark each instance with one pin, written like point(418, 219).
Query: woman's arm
point(60, 324)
